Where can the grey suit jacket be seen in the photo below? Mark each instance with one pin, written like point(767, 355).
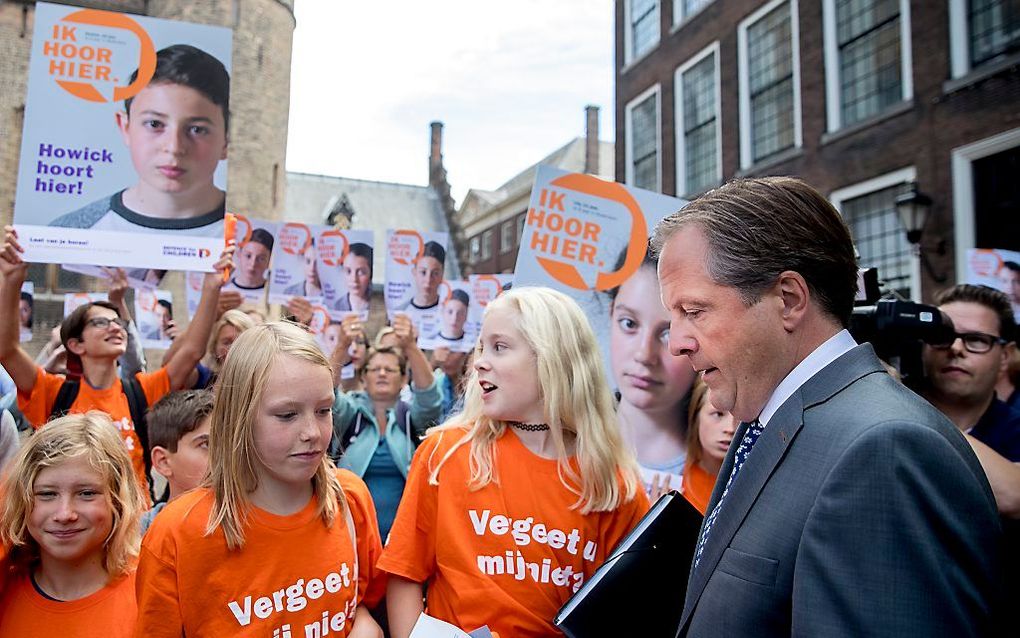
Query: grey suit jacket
point(861, 511)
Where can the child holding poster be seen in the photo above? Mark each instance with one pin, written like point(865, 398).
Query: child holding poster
point(176, 131)
point(216, 558)
point(536, 451)
point(69, 529)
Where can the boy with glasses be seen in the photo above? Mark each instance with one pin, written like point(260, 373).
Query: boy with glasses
point(94, 336)
point(960, 377)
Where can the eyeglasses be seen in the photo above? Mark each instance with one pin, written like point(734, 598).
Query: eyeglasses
point(104, 322)
point(973, 342)
point(377, 369)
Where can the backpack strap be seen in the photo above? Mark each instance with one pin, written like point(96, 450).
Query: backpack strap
point(65, 399)
point(138, 406)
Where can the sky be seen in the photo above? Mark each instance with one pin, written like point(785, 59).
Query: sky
point(509, 79)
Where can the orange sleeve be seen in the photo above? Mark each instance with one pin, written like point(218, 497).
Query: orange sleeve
point(371, 580)
point(159, 606)
point(156, 384)
point(410, 551)
point(37, 404)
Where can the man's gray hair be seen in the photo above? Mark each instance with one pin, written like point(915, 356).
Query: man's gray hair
point(758, 228)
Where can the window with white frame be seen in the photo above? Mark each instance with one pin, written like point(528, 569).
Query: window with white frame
point(476, 249)
point(507, 236)
point(684, 9)
point(698, 143)
point(867, 57)
point(486, 245)
point(769, 78)
point(642, 27)
point(994, 28)
point(870, 211)
point(643, 140)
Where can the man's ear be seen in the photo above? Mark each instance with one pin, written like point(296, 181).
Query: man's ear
point(161, 461)
point(795, 295)
point(1008, 352)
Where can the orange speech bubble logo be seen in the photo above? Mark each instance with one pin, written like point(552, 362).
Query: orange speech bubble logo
point(68, 59)
point(320, 319)
point(395, 241)
point(242, 230)
point(985, 262)
point(327, 254)
point(482, 294)
point(295, 238)
point(567, 273)
point(449, 292)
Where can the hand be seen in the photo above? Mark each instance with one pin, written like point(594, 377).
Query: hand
point(660, 485)
point(403, 328)
point(301, 309)
point(171, 331)
point(55, 336)
point(229, 299)
point(11, 263)
point(350, 330)
point(221, 269)
point(118, 285)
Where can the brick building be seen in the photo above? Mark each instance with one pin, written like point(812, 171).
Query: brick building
point(865, 99)
point(259, 107)
point(492, 222)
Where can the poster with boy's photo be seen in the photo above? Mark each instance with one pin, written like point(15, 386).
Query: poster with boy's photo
point(256, 241)
point(124, 144)
point(26, 311)
point(137, 278)
point(74, 299)
point(415, 267)
point(997, 268)
point(154, 313)
point(296, 264)
point(455, 331)
point(485, 288)
point(193, 291)
point(345, 271)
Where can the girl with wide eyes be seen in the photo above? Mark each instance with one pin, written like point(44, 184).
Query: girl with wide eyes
point(653, 385)
point(69, 525)
point(513, 503)
point(277, 541)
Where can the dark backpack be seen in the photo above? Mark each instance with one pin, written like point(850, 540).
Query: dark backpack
point(343, 437)
point(138, 406)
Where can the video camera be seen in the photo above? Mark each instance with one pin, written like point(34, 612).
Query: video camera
point(896, 328)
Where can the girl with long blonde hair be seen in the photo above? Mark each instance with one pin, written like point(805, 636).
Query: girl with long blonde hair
point(69, 524)
point(277, 542)
point(513, 503)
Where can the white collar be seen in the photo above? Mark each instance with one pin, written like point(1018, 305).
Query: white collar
point(833, 348)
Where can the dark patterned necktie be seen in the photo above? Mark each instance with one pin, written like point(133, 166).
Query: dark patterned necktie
point(743, 451)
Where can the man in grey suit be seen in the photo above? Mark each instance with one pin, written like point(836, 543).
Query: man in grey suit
point(847, 505)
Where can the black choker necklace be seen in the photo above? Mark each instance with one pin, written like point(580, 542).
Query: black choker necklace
point(530, 427)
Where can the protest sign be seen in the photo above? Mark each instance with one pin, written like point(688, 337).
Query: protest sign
point(73, 300)
point(256, 244)
point(97, 186)
point(485, 288)
point(345, 270)
point(997, 268)
point(296, 264)
point(415, 267)
point(26, 311)
point(154, 313)
point(585, 236)
point(455, 331)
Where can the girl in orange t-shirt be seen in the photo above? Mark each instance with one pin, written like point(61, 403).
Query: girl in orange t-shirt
point(69, 525)
point(277, 542)
point(512, 504)
point(708, 439)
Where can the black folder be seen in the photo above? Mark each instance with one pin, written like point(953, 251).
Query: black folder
point(640, 589)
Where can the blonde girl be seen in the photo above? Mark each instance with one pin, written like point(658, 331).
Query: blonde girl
point(69, 531)
point(513, 503)
point(277, 542)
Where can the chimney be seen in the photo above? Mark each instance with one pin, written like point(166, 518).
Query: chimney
point(435, 151)
point(591, 139)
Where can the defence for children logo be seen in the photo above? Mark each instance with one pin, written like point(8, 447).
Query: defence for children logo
point(566, 237)
point(91, 57)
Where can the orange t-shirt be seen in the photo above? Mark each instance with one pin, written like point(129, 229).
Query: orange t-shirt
point(697, 486)
point(37, 405)
point(507, 555)
point(108, 613)
point(293, 577)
